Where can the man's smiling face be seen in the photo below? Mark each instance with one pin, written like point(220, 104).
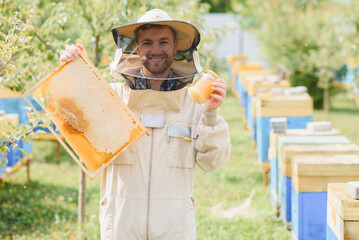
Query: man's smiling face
point(158, 46)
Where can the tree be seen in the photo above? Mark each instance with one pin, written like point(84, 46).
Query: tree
point(303, 37)
point(28, 28)
point(14, 38)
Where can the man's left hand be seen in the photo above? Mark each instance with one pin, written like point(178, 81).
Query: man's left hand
point(216, 99)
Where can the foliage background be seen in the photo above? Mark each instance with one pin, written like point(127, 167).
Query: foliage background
point(311, 39)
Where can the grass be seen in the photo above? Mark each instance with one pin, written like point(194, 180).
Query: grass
point(231, 202)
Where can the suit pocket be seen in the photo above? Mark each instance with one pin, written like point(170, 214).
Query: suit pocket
point(106, 217)
point(180, 146)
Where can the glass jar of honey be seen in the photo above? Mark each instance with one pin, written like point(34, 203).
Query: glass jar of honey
point(202, 88)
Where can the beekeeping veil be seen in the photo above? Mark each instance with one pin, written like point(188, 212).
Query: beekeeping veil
point(127, 63)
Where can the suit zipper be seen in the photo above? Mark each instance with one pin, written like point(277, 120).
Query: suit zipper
point(149, 187)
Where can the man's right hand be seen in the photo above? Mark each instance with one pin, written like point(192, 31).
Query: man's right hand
point(72, 52)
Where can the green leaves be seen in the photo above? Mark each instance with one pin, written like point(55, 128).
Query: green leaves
point(14, 37)
point(305, 37)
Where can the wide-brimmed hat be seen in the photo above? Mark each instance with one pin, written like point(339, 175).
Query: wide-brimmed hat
point(187, 35)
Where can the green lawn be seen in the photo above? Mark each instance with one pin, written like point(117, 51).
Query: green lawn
point(231, 202)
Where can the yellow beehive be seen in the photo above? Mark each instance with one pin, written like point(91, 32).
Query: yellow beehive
point(91, 117)
point(342, 213)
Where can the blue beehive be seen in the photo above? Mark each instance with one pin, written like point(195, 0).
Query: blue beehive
point(288, 151)
point(297, 109)
point(314, 145)
point(310, 178)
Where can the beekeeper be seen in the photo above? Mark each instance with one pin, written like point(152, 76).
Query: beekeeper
point(147, 193)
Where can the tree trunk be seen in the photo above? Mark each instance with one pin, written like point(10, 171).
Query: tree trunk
point(82, 199)
point(97, 53)
point(326, 103)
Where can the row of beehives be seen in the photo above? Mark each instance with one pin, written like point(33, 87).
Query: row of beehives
point(303, 157)
point(303, 162)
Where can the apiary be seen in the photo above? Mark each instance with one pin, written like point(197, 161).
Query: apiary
point(273, 156)
point(276, 185)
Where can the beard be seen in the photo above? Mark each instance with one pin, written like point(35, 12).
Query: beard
point(157, 68)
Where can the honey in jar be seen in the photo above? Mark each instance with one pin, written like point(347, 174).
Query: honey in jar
point(202, 88)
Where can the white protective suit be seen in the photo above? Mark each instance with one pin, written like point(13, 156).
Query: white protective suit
point(147, 192)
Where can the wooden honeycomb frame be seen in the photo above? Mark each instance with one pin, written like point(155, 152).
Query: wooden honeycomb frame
point(140, 129)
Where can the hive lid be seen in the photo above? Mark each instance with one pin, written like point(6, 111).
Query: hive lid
point(326, 165)
point(92, 118)
point(314, 140)
point(336, 139)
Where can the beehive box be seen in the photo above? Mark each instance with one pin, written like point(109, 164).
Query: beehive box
point(342, 214)
point(310, 178)
point(276, 185)
point(95, 122)
point(290, 151)
point(273, 157)
point(297, 109)
point(253, 83)
point(12, 103)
